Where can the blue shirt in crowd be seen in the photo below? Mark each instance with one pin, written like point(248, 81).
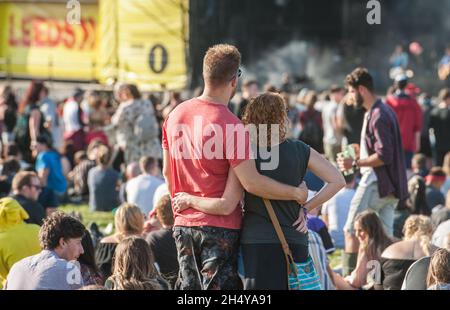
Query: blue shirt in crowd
point(52, 161)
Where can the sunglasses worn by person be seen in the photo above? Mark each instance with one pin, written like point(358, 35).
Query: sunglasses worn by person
point(238, 74)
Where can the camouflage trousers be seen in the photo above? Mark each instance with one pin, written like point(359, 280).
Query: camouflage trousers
point(208, 258)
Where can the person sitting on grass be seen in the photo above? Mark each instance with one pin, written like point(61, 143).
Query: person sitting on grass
point(102, 182)
point(373, 240)
point(162, 242)
point(397, 258)
point(89, 270)
point(52, 269)
point(128, 221)
point(134, 267)
point(17, 238)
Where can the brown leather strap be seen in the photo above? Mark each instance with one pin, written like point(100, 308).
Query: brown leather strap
point(280, 234)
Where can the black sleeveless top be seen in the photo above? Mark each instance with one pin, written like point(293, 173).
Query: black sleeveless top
point(394, 272)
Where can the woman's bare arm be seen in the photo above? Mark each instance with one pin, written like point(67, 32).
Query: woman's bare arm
point(335, 181)
point(214, 206)
point(324, 170)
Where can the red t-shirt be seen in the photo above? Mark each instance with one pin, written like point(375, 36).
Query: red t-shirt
point(205, 140)
point(409, 115)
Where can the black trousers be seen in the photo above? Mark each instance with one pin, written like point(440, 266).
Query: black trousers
point(265, 265)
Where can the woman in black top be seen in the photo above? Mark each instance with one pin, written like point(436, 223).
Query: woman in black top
point(30, 124)
point(264, 262)
point(129, 221)
point(416, 244)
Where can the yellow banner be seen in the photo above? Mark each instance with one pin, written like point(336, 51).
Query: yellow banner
point(151, 42)
point(37, 41)
point(134, 41)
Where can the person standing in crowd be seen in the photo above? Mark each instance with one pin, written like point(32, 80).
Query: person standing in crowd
point(73, 121)
point(30, 124)
point(49, 169)
point(373, 240)
point(332, 139)
point(351, 118)
point(135, 125)
point(335, 211)
point(17, 238)
point(311, 123)
point(173, 100)
point(381, 160)
point(60, 239)
point(134, 268)
point(26, 188)
point(440, 124)
point(258, 237)
point(434, 180)
point(97, 117)
point(141, 189)
point(397, 258)
point(208, 177)
point(426, 104)
point(410, 118)
point(250, 90)
point(399, 59)
point(103, 183)
point(50, 114)
point(8, 114)
point(128, 221)
point(439, 271)
point(162, 242)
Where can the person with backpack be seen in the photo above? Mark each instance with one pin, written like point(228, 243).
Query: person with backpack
point(311, 122)
point(135, 126)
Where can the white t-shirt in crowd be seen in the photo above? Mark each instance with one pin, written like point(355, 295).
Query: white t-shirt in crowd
point(368, 174)
point(71, 119)
point(337, 209)
point(140, 191)
point(330, 135)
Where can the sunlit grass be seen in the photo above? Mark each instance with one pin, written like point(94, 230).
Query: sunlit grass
point(101, 218)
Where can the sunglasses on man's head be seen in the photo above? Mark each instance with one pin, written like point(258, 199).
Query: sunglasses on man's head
point(238, 74)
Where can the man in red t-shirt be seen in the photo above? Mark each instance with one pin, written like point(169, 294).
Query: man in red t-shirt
point(409, 115)
point(202, 140)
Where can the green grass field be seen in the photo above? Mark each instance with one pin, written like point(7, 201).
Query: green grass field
point(101, 218)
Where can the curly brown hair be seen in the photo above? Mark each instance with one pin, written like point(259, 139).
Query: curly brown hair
point(267, 109)
point(59, 225)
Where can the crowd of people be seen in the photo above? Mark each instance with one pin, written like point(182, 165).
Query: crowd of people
point(201, 202)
